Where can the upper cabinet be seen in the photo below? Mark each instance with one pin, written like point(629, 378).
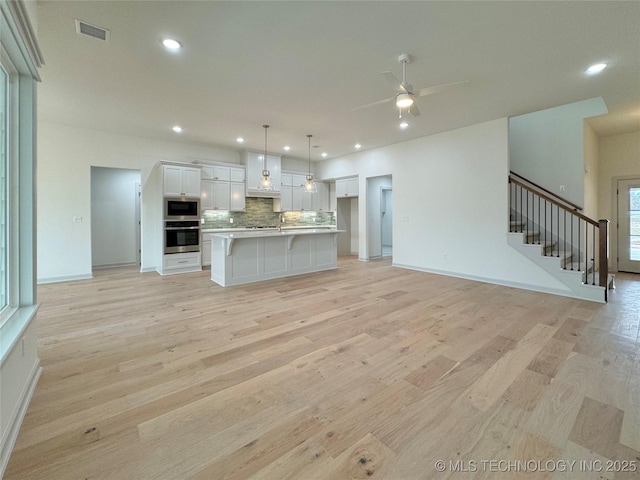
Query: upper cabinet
point(347, 187)
point(254, 163)
point(223, 188)
point(320, 200)
point(294, 198)
point(181, 181)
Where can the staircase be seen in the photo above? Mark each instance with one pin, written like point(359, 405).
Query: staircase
point(552, 233)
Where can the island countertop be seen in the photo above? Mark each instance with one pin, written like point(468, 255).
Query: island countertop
point(274, 233)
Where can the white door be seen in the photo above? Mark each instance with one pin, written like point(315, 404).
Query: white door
point(629, 225)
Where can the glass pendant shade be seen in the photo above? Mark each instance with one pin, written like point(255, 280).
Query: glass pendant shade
point(265, 182)
point(309, 185)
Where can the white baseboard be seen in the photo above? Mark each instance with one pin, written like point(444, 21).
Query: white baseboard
point(11, 435)
point(67, 278)
point(148, 269)
point(114, 265)
point(493, 281)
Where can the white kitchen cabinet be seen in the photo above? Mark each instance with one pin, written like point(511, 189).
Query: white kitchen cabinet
point(181, 263)
point(254, 164)
point(301, 200)
point(294, 198)
point(320, 200)
point(214, 195)
point(347, 187)
point(285, 202)
point(206, 250)
point(237, 174)
point(237, 200)
point(286, 179)
point(181, 181)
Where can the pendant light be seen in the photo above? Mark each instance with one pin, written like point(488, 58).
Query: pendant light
point(310, 186)
point(265, 183)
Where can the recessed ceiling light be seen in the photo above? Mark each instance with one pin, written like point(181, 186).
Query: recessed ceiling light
point(287, 148)
point(171, 44)
point(404, 125)
point(324, 154)
point(357, 146)
point(177, 129)
point(596, 68)
point(240, 140)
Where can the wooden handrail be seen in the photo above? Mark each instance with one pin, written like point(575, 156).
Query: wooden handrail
point(555, 202)
point(577, 207)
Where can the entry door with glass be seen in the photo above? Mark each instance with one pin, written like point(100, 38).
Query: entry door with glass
point(629, 225)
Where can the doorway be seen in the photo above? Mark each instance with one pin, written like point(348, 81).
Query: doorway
point(347, 220)
point(629, 225)
point(386, 220)
point(379, 217)
point(115, 217)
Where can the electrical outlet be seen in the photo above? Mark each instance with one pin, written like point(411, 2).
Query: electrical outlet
point(444, 257)
point(77, 219)
point(230, 220)
point(562, 188)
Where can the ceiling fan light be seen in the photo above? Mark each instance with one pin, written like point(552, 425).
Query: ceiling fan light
point(404, 100)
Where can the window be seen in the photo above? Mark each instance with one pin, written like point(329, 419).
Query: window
point(4, 188)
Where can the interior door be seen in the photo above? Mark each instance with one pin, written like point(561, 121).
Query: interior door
point(629, 225)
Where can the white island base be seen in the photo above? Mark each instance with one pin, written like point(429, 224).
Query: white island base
point(246, 257)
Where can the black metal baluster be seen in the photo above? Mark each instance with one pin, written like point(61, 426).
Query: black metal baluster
point(572, 218)
point(527, 218)
point(551, 242)
point(544, 242)
point(564, 237)
point(586, 252)
point(558, 230)
point(539, 232)
point(521, 209)
point(579, 246)
point(510, 202)
point(594, 254)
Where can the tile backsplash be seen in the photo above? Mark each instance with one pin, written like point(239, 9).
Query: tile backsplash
point(259, 213)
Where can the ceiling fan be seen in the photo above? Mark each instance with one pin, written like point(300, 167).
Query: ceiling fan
point(405, 96)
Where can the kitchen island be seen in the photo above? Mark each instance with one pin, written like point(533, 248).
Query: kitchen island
point(252, 256)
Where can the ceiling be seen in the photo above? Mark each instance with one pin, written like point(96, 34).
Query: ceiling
point(303, 66)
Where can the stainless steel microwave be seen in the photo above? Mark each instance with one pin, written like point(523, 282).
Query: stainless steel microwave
point(181, 208)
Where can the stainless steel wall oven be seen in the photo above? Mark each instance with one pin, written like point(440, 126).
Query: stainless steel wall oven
point(181, 236)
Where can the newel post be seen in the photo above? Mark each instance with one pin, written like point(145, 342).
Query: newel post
point(603, 253)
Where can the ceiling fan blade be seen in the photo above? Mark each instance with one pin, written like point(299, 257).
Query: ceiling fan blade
point(413, 110)
point(437, 88)
point(394, 82)
point(379, 102)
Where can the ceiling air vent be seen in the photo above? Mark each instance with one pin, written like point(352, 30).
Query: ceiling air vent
point(92, 31)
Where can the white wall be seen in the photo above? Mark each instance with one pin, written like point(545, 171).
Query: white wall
point(113, 216)
point(65, 157)
point(619, 158)
point(547, 147)
point(450, 198)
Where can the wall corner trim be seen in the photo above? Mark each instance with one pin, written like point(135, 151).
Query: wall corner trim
point(11, 435)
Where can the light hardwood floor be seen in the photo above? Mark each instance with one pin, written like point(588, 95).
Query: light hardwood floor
point(368, 371)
